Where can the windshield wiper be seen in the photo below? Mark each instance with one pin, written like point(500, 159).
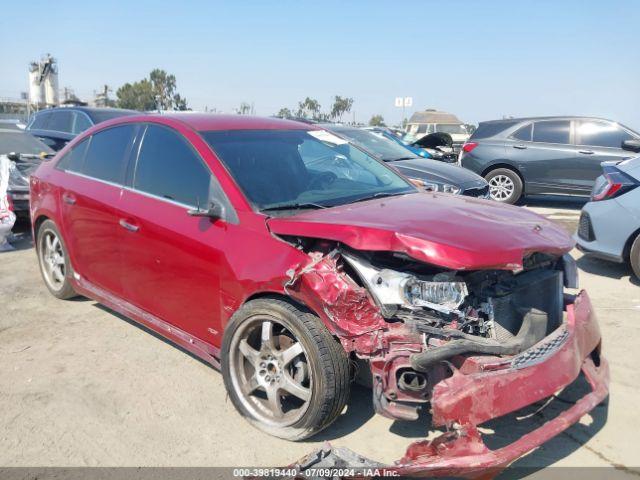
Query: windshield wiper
point(378, 195)
point(292, 206)
point(401, 158)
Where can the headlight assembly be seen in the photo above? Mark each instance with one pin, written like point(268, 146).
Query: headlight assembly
point(437, 187)
point(392, 288)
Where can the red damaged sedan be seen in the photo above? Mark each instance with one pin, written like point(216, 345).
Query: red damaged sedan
point(283, 254)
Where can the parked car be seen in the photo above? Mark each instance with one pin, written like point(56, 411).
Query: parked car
point(609, 225)
point(384, 132)
point(281, 252)
point(543, 155)
point(431, 174)
point(56, 126)
point(24, 152)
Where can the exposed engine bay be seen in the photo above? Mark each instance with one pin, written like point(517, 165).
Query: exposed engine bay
point(430, 321)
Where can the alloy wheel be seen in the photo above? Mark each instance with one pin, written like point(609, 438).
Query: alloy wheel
point(501, 188)
point(270, 371)
point(53, 260)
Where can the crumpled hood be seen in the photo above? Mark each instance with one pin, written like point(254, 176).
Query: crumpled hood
point(459, 233)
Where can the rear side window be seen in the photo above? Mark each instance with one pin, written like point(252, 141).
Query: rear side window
point(107, 151)
point(169, 168)
point(486, 130)
point(80, 122)
point(523, 133)
point(73, 159)
point(553, 131)
point(601, 134)
point(40, 121)
point(60, 121)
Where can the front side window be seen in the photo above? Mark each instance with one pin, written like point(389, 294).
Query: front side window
point(61, 121)
point(301, 169)
point(107, 153)
point(601, 134)
point(523, 133)
point(552, 131)
point(169, 168)
point(74, 158)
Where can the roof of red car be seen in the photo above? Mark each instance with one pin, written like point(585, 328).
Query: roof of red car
point(214, 121)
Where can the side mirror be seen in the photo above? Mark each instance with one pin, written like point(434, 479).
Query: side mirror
point(214, 212)
point(631, 145)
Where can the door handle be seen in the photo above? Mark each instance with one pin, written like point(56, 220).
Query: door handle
point(129, 226)
point(586, 152)
point(520, 146)
point(68, 198)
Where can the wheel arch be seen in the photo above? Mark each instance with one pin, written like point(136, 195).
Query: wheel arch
point(36, 224)
point(626, 251)
point(279, 296)
point(508, 166)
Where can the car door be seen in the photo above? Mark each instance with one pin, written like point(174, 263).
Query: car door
point(597, 141)
point(543, 153)
point(90, 200)
point(172, 262)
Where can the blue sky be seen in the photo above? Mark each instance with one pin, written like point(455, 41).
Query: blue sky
point(478, 59)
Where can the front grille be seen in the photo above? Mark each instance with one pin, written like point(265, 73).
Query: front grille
point(540, 353)
point(477, 192)
point(585, 229)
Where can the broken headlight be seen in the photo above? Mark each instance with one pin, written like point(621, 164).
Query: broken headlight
point(449, 295)
point(390, 287)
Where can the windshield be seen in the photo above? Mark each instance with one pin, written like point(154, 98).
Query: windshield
point(385, 149)
point(302, 169)
point(21, 142)
point(451, 128)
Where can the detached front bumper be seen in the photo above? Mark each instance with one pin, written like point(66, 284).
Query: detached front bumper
point(465, 400)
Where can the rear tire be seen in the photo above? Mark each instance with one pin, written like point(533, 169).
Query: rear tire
point(53, 259)
point(505, 185)
point(634, 257)
point(288, 395)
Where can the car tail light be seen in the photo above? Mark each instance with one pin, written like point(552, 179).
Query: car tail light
point(615, 183)
point(469, 146)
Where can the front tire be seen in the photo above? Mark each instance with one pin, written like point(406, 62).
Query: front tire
point(53, 259)
point(634, 257)
point(505, 185)
point(283, 370)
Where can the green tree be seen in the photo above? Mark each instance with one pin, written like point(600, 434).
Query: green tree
point(341, 105)
point(136, 96)
point(284, 113)
point(377, 121)
point(158, 91)
point(309, 108)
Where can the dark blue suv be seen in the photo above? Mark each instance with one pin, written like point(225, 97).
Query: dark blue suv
point(56, 126)
point(543, 155)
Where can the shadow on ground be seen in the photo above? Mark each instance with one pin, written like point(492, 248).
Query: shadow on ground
point(604, 268)
point(554, 201)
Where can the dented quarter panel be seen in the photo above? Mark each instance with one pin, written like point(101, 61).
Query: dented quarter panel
point(439, 229)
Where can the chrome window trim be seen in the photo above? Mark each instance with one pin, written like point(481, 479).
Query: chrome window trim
point(129, 189)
